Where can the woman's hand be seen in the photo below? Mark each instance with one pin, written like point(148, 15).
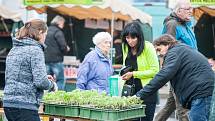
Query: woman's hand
point(50, 77)
point(127, 76)
point(55, 87)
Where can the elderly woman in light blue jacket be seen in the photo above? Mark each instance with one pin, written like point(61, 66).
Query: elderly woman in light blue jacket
point(96, 67)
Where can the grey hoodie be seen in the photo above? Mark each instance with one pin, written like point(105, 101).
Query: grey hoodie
point(25, 75)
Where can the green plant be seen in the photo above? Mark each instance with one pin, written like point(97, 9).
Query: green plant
point(91, 98)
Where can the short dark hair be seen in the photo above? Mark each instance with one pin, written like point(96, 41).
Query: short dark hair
point(133, 29)
point(165, 39)
point(32, 29)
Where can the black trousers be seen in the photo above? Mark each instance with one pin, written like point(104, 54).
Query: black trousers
point(19, 114)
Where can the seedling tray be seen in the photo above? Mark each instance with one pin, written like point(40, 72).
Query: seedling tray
point(112, 115)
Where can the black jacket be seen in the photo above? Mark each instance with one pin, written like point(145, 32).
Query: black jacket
point(56, 45)
point(189, 73)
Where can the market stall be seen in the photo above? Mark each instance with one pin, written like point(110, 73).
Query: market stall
point(10, 21)
point(205, 30)
point(105, 10)
point(108, 15)
point(84, 21)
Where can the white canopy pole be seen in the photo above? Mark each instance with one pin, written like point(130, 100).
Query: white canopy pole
point(112, 30)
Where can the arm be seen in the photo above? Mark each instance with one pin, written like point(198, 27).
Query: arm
point(38, 67)
point(171, 66)
point(152, 64)
point(59, 36)
point(170, 28)
point(83, 75)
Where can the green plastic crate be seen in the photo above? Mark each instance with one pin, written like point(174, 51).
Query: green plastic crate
point(49, 109)
point(112, 115)
point(85, 112)
point(136, 112)
point(96, 114)
point(60, 110)
point(122, 114)
point(115, 115)
point(72, 111)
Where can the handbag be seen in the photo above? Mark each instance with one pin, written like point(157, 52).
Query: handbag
point(128, 90)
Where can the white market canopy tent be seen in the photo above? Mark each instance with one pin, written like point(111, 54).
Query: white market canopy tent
point(110, 9)
point(9, 14)
point(12, 9)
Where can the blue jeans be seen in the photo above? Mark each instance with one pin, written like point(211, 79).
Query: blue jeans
point(18, 114)
point(200, 109)
point(57, 69)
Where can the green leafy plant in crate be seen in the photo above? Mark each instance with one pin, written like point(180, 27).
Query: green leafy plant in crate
point(92, 105)
point(54, 103)
point(116, 108)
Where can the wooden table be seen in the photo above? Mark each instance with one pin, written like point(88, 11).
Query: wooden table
point(45, 117)
point(48, 117)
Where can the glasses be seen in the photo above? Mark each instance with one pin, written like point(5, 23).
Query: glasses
point(187, 9)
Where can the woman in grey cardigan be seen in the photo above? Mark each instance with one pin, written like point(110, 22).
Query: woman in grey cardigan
point(25, 74)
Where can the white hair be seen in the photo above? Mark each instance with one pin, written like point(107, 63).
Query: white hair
point(101, 36)
point(57, 19)
point(179, 4)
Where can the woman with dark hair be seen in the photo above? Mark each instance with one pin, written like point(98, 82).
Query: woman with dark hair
point(141, 56)
point(25, 74)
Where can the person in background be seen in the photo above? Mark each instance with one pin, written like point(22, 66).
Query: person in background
point(141, 56)
point(25, 74)
point(96, 67)
point(191, 80)
point(178, 24)
point(117, 44)
point(55, 50)
point(212, 63)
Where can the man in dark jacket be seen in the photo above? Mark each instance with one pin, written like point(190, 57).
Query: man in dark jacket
point(190, 75)
point(178, 24)
point(56, 48)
